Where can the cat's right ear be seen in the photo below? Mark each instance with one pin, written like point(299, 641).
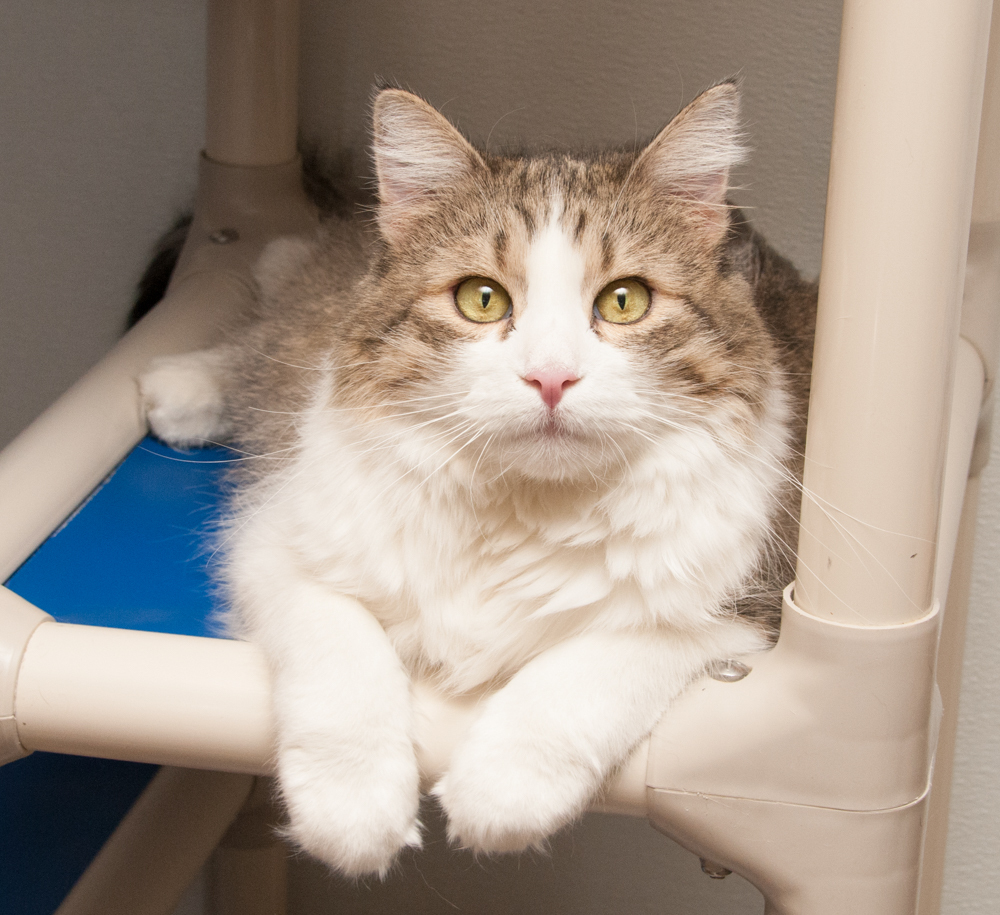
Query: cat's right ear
point(690, 159)
point(418, 153)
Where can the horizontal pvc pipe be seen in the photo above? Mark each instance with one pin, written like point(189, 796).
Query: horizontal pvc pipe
point(145, 696)
point(59, 459)
point(56, 462)
point(196, 702)
point(909, 96)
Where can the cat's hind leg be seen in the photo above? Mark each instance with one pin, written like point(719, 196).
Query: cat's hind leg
point(184, 397)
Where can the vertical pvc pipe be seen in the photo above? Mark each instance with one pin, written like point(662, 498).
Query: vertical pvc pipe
point(981, 302)
point(980, 324)
point(248, 871)
point(949, 678)
point(909, 94)
point(252, 81)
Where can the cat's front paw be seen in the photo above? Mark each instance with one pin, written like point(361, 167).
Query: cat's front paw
point(504, 796)
point(355, 823)
point(183, 400)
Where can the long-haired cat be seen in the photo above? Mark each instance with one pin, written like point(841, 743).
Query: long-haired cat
point(533, 430)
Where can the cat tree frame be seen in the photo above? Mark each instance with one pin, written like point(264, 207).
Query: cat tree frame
point(811, 776)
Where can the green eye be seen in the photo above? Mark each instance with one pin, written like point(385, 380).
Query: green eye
point(482, 300)
point(623, 301)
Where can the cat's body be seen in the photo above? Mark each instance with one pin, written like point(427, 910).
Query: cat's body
point(576, 507)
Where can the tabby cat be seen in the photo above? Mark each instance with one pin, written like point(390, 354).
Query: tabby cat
point(534, 430)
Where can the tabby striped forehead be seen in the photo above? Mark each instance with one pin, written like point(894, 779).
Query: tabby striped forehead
point(598, 206)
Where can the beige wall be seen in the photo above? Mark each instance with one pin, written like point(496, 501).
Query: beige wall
point(100, 120)
point(101, 111)
point(566, 72)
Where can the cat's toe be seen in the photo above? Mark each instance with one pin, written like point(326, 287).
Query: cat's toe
point(509, 804)
point(356, 826)
point(182, 400)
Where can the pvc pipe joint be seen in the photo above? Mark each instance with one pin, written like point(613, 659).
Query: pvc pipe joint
point(20, 620)
point(828, 743)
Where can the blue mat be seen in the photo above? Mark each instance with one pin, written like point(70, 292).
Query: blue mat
point(136, 555)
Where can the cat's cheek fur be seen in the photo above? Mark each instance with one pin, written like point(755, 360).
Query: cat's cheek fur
point(545, 743)
point(346, 764)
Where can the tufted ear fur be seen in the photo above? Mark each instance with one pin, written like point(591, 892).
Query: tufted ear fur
point(418, 153)
point(691, 157)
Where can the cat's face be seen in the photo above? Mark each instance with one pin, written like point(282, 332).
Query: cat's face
point(552, 316)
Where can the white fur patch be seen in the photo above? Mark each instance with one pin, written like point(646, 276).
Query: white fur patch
point(183, 401)
point(553, 325)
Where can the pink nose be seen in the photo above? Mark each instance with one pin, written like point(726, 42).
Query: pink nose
point(551, 384)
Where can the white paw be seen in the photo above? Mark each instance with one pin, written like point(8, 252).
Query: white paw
point(507, 795)
point(356, 825)
point(280, 262)
point(183, 400)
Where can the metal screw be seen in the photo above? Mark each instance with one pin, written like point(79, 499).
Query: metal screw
point(728, 671)
point(224, 236)
point(715, 871)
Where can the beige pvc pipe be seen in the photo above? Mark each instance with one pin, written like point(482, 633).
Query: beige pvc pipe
point(248, 871)
point(980, 325)
point(949, 678)
point(48, 469)
point(199, 703)
point(909, 95)
point(99, 419)
point(981, 302)
point(252, 81)
point(166, 836)
point(145, 696)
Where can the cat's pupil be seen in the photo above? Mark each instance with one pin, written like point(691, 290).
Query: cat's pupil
point(485, 293)
point(621, 295)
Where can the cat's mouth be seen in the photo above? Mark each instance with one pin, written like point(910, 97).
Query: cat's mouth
point(553, 427)
point(548, 429)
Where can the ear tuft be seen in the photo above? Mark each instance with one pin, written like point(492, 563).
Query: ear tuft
point(690, 159)
point(418, 153)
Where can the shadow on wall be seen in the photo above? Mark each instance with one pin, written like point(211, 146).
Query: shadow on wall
point(607, 865)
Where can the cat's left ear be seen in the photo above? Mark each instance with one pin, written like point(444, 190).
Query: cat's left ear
point(418, 154)
point(690, 159)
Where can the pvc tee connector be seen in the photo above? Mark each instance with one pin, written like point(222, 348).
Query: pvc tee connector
point(18, 621)
point(810, 776)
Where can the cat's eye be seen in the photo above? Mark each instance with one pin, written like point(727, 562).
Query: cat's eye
point(482, 300)
point(623, 301)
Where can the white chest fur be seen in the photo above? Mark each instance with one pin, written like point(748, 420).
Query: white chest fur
point(473, 579)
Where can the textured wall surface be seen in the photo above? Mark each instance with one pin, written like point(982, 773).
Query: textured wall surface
point(971, 879)
point(565, 73)
point(100, 122)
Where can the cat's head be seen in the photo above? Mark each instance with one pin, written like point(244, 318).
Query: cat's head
point(553, 316)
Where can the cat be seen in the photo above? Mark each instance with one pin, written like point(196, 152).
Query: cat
point(535, 430)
